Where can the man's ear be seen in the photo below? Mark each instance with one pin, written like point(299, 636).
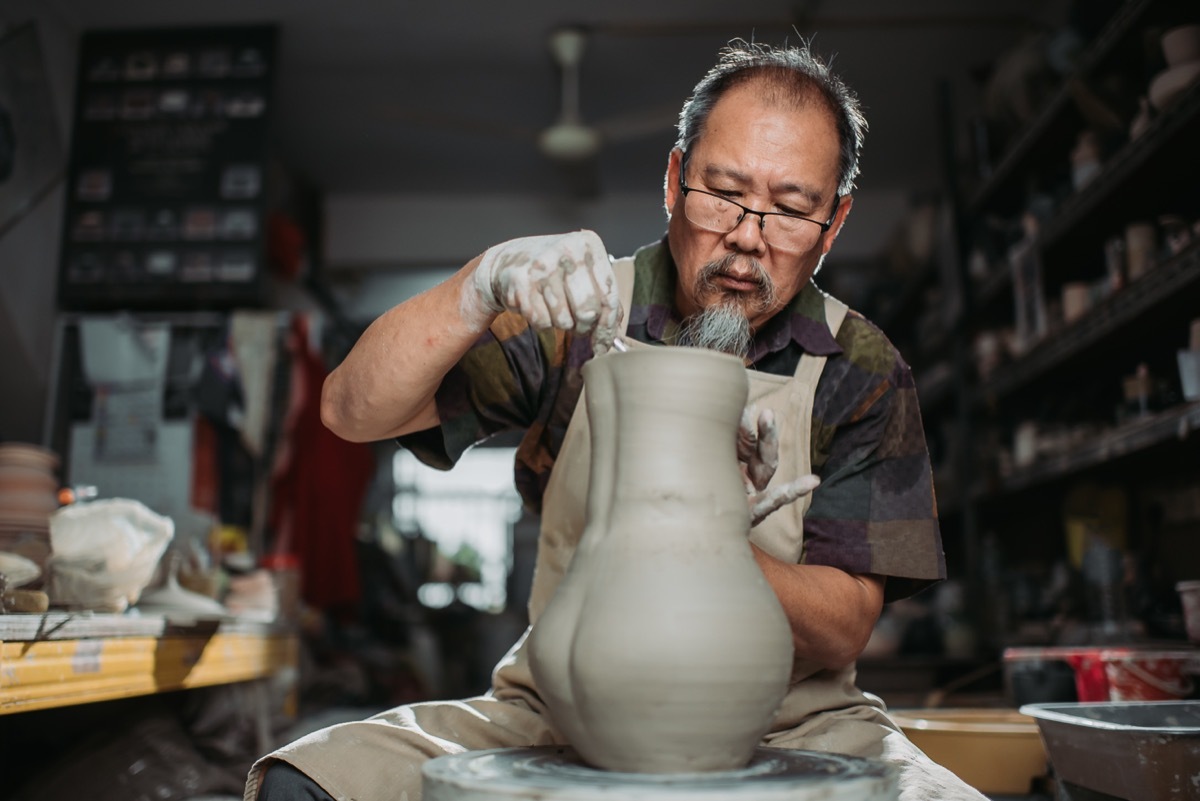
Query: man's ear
point(839, 218)
point(671, 187)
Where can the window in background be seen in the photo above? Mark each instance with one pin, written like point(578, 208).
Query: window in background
point(468, 513)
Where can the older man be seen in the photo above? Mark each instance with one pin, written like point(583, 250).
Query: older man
point(757, 190)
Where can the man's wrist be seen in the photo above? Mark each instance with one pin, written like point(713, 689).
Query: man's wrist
point(478, 303)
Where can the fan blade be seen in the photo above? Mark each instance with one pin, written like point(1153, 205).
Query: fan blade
point(451, 122)
point(569, 141)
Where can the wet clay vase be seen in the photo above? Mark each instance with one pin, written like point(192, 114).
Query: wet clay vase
point(664, 649)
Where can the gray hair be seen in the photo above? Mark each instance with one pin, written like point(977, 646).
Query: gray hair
point(792, 69)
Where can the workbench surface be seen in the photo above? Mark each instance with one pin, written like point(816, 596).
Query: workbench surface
point(61, 659)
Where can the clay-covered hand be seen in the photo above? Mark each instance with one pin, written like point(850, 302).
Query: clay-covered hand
point(562, 281)
point(758, 453)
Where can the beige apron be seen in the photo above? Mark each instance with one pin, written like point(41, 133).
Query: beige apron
point(380, 759)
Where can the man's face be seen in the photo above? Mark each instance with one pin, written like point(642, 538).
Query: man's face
point(767, 157)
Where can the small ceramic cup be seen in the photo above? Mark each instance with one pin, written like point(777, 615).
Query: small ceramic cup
point(1076, 300)
point(1140, 245)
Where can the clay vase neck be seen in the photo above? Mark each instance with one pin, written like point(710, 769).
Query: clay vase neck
point(666, 453)
point(663, 649)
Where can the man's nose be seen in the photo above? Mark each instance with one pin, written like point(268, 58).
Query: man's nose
point(747, 235)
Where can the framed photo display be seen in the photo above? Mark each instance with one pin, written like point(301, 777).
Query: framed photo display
point(166, 196)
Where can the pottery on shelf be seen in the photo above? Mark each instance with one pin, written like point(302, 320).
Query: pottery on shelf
point(28, 487)
point(1169, 85)
point(21, 454)
point(28, 496)
point(1181, 45)
point(664, 650)
point(1181, 49)
point(17, 570)
point(174, 601)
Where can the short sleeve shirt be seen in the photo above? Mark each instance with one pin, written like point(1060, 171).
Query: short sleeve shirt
point(875, 511)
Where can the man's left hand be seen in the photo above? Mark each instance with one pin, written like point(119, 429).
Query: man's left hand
point(758, 453)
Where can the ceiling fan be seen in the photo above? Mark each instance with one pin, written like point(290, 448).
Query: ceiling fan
point(568, 138)
point(573, 143)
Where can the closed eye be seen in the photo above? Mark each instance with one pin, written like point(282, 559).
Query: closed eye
point(737, 195)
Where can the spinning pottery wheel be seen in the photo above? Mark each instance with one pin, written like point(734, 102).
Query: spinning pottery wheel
point(557, 774)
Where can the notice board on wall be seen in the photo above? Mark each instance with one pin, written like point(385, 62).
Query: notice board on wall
point(166, 201)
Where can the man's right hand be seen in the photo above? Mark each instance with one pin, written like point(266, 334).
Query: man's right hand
point(562, 281)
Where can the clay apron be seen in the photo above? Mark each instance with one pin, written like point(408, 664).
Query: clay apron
point(811, 690)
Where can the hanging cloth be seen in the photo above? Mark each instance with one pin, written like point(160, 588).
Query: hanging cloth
point(317, 486)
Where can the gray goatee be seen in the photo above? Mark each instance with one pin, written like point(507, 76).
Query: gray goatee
point(723, 324)
point(721, 327)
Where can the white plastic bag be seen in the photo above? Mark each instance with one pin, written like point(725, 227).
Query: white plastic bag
point(103, 553)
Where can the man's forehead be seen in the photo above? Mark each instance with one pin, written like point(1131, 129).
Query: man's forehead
point(719, 151)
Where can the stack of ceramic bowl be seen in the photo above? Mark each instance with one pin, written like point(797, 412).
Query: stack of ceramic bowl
point(28, 496)
point(1181, 48)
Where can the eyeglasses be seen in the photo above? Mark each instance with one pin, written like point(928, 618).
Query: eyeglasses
point(780, 230)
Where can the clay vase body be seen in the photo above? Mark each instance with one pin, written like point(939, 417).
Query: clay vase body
point(664, 649)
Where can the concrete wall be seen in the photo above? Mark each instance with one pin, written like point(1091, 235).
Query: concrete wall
point(29, 251)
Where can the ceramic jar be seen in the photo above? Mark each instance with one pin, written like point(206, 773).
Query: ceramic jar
point(664, 649)
point(28, 496)
point(1141, 249)
point(1181, 49)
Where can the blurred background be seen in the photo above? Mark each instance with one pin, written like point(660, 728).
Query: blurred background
point(203, 205)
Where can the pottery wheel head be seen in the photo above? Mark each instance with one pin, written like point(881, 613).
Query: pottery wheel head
point(558, 774)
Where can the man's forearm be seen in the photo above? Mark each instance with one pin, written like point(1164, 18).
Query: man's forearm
point(385, 386)
point(831, 612)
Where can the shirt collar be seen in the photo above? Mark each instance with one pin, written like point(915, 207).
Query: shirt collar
point(802, 321)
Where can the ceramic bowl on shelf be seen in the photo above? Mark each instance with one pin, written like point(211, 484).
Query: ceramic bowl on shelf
point(1169, 85)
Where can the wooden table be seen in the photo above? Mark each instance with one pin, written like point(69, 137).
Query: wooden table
point(61, 659)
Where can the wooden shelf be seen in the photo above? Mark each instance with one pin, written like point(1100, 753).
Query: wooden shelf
point(1127, 164)
point(1179, 423)
point(1073, 383)
point(1009, 167)
point(58, 660)
point(1178, 275)
point(1118, 171)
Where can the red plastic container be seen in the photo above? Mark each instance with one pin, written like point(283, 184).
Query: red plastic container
point(1121, 674)
point(1128, 674)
